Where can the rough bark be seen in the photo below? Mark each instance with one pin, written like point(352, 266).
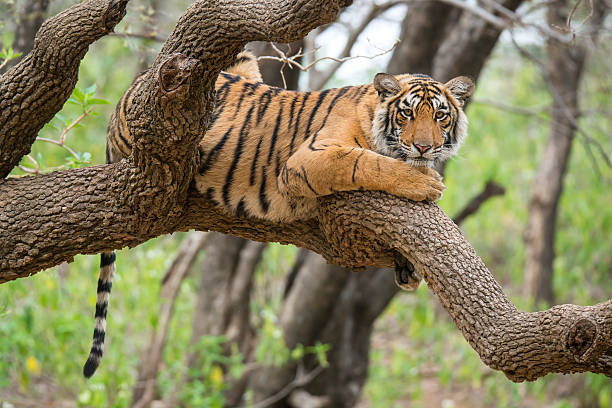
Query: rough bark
point(564, 68)
point(147, 195)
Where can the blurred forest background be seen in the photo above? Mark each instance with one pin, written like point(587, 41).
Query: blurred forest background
point(205, 320)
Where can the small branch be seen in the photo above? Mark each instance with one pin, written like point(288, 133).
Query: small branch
point(375, 11)
point(520, 110)
point(300, 380)
point(490, 190)
point(72, 125)
point(292, 61)
point(29, 170)
point(63, 146)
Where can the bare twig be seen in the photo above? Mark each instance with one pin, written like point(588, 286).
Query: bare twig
point(588, 139)
point(63, 146)
point(375, 11)
point(300, 380)
point(35, 170)
point(292, 61)
point(573, 11)
point(72, 125)
point(3, 64)
point(520, 110)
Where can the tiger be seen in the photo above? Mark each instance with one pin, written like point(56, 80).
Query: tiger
point(269, 153)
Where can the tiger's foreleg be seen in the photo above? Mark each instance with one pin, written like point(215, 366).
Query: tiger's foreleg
point(327, 167)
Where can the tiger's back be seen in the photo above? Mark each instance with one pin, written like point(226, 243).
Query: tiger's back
point(255, 129)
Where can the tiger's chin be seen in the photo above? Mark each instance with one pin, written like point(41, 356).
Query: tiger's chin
point(420, 162)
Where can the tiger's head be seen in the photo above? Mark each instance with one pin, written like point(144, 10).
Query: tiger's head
point(419, 120)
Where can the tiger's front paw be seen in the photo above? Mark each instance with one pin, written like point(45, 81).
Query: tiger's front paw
point(428, 171)
point(406, 276)
point(425, 188)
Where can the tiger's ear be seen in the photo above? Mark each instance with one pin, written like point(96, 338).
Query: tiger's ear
point(386, 85)
point(461, 88)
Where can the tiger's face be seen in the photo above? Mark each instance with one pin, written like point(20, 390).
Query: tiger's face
point(419, 120)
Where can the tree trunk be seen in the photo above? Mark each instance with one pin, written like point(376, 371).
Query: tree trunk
point(31, 16)
point(563, 70)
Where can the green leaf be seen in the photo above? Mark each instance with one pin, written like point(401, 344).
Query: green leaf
point(98, 101)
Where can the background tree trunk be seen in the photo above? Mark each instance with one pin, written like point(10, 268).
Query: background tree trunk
point(563, 70)
point(31, 15)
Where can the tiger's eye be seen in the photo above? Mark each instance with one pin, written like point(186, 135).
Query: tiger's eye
point(407, 113)
point(440, 115)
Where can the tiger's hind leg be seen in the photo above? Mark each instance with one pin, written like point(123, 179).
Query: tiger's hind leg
point(406, 276)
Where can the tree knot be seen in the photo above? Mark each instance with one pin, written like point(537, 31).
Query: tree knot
point(581, 339)
point(174, 74)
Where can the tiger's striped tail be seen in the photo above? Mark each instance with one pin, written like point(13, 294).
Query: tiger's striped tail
point(105, 282)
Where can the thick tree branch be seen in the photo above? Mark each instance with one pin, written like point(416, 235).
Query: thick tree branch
point(35, 89)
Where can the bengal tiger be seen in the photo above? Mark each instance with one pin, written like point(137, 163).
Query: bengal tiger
point(269, 152)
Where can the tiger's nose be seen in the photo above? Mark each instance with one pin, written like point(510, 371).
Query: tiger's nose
point(421, 148)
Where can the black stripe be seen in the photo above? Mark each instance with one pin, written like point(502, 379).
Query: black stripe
point(254, 164)
point(243, 92)
point(291, 112)
point(279, 119)
point(297, 122)
point(370, 112)
point(277, 167)
point(306, 180)
point(263, 198)
point(341, 92)
point(107, 258)
point(212, 155)
point(356, 141)
point(104, 286)
point(101, 309)
point(240, 209)
point(237, 153)
point(355, 165)
point(263, 104)
point(98, 336)
point(320, 100)
point(210, 193)
point(96, 352)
